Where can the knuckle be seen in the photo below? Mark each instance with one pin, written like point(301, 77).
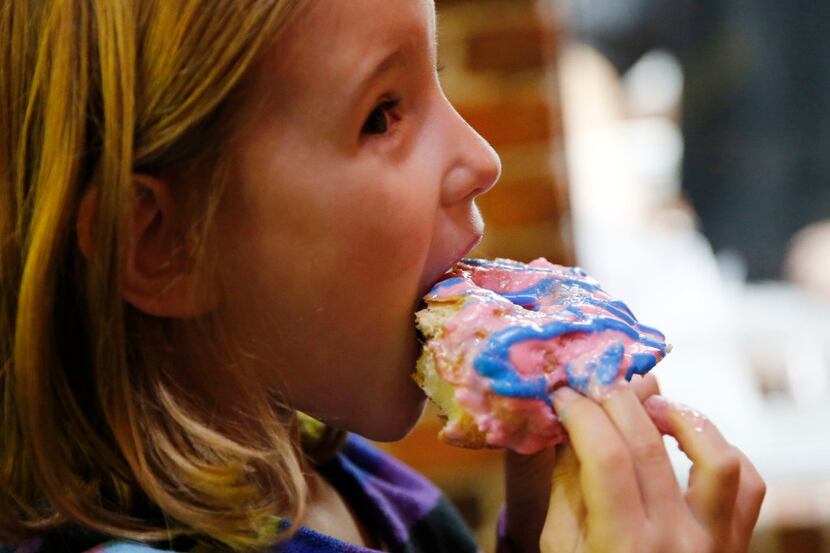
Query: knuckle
point(676, 540)
point(707, 545)
point(727, 468)
point(653, 382)
point(650, 385)
point(611, 458)
point(651, 452)
point(757, 489)
point(699, 542)
point(631, 543)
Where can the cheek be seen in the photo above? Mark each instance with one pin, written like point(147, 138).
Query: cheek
point(385, 236)
point(322, 278)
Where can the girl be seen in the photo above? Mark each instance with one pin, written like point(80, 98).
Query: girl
point(219, 214)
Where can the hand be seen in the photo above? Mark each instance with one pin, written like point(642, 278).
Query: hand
point(614, 488)
point(528, 482)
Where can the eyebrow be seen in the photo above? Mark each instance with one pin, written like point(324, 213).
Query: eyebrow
point(394, 59)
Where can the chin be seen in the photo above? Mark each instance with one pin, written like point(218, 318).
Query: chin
point(399, 418)
point(398, 402)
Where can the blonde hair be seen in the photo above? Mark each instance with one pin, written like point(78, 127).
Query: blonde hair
point(92, 427)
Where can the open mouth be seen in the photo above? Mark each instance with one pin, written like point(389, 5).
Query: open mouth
point(448, 272)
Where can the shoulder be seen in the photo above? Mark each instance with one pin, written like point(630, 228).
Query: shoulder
point(362, 454)
point(408, 509)
point(416, 515)
point(373, 467)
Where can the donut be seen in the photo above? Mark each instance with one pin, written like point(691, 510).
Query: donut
point(500, 336)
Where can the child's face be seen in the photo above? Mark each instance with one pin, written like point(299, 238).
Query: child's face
point(352, 192)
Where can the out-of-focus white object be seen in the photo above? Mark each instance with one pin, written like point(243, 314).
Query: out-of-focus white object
point(808, 262)
point(654, 85)
point(754, 358)
point(784, 339)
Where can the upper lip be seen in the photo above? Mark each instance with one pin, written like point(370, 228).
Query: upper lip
point(467, 249)
point(460, 254)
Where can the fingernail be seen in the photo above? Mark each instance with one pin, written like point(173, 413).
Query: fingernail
point(656, 403)
point(561, 399)
point(660, 408)
point(657, 408)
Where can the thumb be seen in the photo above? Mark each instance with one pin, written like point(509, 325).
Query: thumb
point(527, 488)
point(526, 474)
point(565, 524)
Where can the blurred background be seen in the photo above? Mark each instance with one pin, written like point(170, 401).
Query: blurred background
point(679, 151)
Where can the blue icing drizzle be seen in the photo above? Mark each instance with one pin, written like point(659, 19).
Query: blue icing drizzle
point(641, 363)
point(577, 381)
point(613, 309)
point(575, 311)
point(622, 307)
point(609, 363)
point(446, 284)
point(530, 297)
point(530, 387)
point(558, 289)
point(493, 361)
point(605, 368)
point(523, 299)
point(656, 344)
point(650, 330)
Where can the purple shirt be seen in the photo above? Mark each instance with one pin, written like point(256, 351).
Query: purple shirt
point(396, 503)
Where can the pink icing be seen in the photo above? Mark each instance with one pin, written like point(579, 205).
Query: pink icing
point(524, 424)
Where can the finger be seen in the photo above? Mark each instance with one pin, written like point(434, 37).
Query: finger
point(567, 465)
point(716, 470)
point(565, 523)
point(751, 492)
point(645, 386)
point(524, 472)
point(606, 473)
point(748, 502)
point(528, 493)
point(655, 475)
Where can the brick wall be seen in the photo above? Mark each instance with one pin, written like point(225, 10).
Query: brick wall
point(499, 71)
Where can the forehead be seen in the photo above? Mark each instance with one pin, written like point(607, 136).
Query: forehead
point(331, 44)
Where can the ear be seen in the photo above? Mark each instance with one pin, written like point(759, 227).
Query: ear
point(158, 275)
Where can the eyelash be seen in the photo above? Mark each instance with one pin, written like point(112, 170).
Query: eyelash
point(387, 108)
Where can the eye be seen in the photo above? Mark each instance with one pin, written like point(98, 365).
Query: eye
point(381, 118)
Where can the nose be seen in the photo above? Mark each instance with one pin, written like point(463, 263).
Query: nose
point(474, 165)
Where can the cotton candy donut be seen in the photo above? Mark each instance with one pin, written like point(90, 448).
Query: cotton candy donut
point(500, 336)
